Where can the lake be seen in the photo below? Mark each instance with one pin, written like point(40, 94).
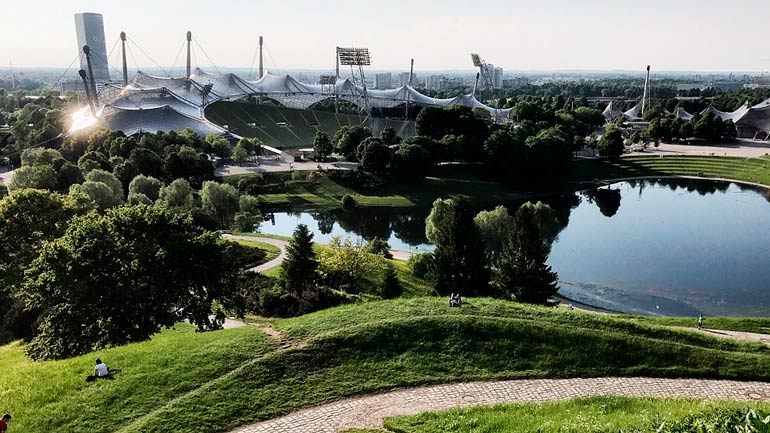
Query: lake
point(665, 247)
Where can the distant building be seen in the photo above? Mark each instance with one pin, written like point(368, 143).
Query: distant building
point(89, 28)
point(403, 79)
point(433, 82)
point(383, 81)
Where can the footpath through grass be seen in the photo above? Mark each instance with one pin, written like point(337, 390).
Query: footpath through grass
point(182, 381)
point(271, 251)
point(597, 415)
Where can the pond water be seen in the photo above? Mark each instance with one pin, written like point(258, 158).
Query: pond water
point(666, 247)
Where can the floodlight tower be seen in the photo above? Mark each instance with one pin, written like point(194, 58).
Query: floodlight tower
point(357, 57)
point(329, 87)
point(484, 69)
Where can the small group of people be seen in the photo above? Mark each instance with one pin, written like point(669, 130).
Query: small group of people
point(455, 300)
point(101, 371)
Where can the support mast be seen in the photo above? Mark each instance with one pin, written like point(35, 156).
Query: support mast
point(189, 39)
point(83, 76)
point(411, 74)
point(261, 64)
point(87, 52)
point(125, 64)
point(646, 96)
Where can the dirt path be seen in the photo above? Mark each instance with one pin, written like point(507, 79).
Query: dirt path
point(370, 411)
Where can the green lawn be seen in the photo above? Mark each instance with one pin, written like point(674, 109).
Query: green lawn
point(470, 180)
point(357, 349)
point(597, 415)
point(271, 250)
point(182, 381)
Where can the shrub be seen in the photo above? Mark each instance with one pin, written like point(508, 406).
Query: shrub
point(422, 265)
point(348, 201)
point(391, 286)
point(380, 247)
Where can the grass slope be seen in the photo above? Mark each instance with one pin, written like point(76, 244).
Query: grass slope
point(364, 348)
point(54, 397)
point(598, 415)
point(182, 381)
point(271, 251)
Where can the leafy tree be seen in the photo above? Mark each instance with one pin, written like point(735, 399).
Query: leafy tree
point(108, 179)
point(34, 176)
point(611, 143)
point(300, 267)
point(322, 145)
point(252, 145)
point(99, 193)
point(178, 194)
point(389, 137)
point(125, 171)
point(379, 246)
point(373, 155)
point(137, 198)
point(347, 266)
point(170, 271)
point(240, 153)
point(411, 161)
point(251, 184)
point(93, 161)
point(349, 141)
point(391, 286)
point(147, 186)
point(493, 226)
point(148, 163)
point(220, 146)
point(220, 201)
point(248, 218)
point(506, 155)
point(523, 272)
point(459, 255)
point(41, 156)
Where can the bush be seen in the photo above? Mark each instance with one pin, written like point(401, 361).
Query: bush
point(380, 247)
point(251, 184)
point(358, 180)
point(348, 201)
point(422, 265)
point(297, 175)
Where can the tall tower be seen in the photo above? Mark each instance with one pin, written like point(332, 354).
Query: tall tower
point(261, 64)
point(89, 28)
point(646, 94)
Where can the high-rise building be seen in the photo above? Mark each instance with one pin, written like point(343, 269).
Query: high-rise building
point(89, 28)
point(383, 81)
point(403, 79)
point(433, 82)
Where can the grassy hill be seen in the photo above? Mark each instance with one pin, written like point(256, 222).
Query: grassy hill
point(182, 381)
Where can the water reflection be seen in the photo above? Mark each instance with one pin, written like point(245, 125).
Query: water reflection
point(671, 246)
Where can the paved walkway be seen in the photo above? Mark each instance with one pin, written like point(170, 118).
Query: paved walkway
point(369, 411)
point(5, 175)
point(281, 244)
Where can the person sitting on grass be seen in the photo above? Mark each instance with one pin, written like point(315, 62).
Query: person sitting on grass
point(101, 371)
point(4, 422)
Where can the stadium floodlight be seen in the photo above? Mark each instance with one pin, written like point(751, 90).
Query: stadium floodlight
point(476, 60)
point(354, 56)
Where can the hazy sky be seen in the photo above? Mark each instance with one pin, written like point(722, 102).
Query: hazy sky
point(705, 35)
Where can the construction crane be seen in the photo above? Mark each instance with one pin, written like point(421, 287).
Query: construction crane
point(484, 69)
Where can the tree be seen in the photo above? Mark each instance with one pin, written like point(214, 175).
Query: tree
point(373, 155)
point(30, 218)
point(493, 226)
point(459, 255)
point(137, 198)
point(170, 271)
point(240, 153)
point(300, 267)
point(348, 266)
point(611, 143)
point(99, 193)
point(506, 155)
point(220, 201)
point(35, 177)
point(350, 139)
point(322, 146)
point(523, 272)
point(146, 185)
point(220, 146)
point(148, 162)
point(379, 246)
point(178, 194)
point(248, 218)
point(389, 137)
point(108, 179)
point(411, 161)
point(391, 286)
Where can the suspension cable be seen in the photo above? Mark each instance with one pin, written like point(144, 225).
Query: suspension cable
point(148, 56)
point(269, 54)
point(77, 57)
point(179, 53)
point(207, 56)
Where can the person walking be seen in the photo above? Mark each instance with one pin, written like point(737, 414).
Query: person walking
point(700, 321)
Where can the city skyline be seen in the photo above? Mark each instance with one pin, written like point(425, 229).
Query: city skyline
point(592, 35)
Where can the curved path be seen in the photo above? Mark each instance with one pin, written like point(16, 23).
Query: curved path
point(370, 411)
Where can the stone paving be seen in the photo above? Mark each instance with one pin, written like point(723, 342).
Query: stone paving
point(369, 411)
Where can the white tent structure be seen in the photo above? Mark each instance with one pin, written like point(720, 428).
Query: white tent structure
point(750, 121)
point(149, 103)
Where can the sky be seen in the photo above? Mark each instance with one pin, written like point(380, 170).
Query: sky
point(671, 35)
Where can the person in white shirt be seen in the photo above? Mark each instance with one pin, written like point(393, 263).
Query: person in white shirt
point(101, 369)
